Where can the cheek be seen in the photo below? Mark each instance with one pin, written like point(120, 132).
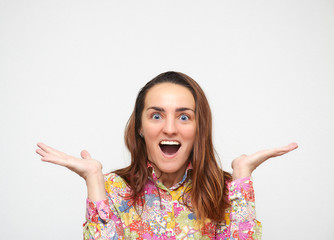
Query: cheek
point(151, 134)
point(151, 131)
point(189, 135)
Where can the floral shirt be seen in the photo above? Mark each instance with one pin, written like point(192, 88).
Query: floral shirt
point(164, 216)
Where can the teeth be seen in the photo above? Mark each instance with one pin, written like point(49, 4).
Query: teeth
point(169, 143)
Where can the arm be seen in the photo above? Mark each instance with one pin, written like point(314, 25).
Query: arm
point(86, 167)
point(102, 221)
point(242, 216)
point(99, 213)
point(241, 220)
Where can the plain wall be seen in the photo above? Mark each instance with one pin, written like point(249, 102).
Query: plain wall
point(70, 72)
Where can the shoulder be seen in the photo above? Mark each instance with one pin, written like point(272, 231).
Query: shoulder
point(115, 184)
point(113, 177)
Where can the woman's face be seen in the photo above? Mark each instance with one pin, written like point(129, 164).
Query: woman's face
point(169, 126)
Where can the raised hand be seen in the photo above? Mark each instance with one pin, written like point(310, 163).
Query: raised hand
point(83, 167)
point(86, 167)
point(244, 165)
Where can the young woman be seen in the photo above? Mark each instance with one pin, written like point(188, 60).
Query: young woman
point(174, 188)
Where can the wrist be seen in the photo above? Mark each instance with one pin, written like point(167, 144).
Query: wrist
point(240, 173)
point(94, 179)
point(95, 187)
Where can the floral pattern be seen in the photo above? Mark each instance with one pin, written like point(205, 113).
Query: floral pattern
point(164, 216)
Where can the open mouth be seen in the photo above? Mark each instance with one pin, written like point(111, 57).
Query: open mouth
point(169, 147)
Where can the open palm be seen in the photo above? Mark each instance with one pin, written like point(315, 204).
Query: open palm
point(85, 166)
point(244, 165)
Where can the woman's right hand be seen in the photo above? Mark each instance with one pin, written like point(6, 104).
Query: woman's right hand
point(86, 167)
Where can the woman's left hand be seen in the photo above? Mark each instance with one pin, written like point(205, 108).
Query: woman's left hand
point(244, 165)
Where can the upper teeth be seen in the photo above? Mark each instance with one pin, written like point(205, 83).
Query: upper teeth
point(169, 143)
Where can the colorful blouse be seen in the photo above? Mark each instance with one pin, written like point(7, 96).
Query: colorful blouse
point(164, 215)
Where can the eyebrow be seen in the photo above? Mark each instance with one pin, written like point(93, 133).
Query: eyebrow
point(181, 109)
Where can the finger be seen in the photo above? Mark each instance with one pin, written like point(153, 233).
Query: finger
point(49, 149)
point(283, 150)
point(49, 157)
point(42, 146)
point(290, 147)
point(275, 152)
point(56, 160)
point(41, 152)
point(85, 154)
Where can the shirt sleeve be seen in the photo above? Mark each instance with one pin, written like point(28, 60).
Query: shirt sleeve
point(241, 220)
point(102, 220)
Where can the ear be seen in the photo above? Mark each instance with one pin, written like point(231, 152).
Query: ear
point(141, 133)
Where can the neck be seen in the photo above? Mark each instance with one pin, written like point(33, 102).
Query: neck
point(170, 179)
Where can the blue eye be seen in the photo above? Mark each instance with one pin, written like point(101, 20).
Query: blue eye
point(184, 117)
point(156, 116)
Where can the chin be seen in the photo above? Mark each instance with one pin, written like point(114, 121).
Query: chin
point(170, 167)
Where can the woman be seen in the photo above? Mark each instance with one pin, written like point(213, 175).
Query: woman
point(174, 187)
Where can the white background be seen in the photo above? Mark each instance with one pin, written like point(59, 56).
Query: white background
point(70, 72)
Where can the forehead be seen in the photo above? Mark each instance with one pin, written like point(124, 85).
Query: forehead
point(169, 94)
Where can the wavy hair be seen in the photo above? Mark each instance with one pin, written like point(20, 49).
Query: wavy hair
point(208, 190)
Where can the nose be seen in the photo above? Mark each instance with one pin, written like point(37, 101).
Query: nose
point(170, 127)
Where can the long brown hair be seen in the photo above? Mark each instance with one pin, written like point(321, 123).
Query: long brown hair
point(208, 191)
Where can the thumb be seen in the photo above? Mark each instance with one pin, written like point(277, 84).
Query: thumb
point(85, 155)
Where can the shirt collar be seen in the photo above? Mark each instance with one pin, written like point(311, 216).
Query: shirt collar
point(177, 185)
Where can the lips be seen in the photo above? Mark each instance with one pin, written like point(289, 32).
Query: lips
point(169, 147)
